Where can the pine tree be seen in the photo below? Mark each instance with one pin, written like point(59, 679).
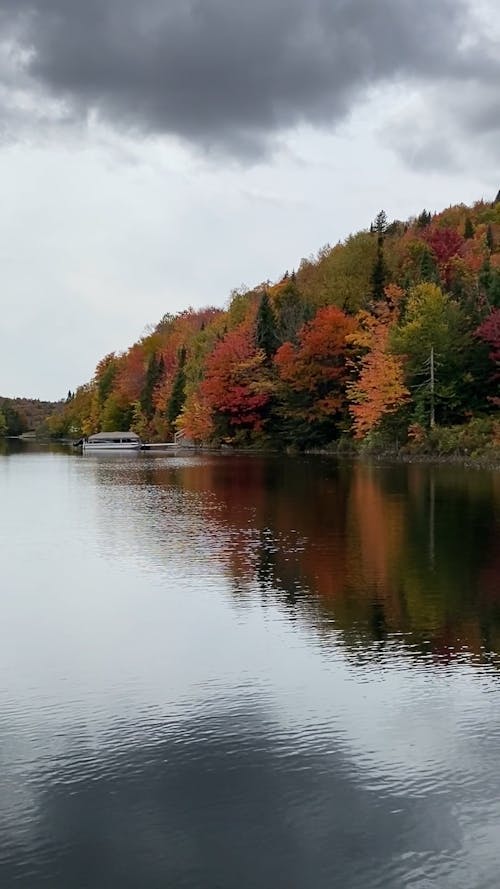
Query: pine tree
point(468, 228)
point(178, 394)
point(424, 219)
point(153, 375)
point(494, 289)
point(379, 271)
point(379, 274)
point(266, 335)
point(490, 242)
point(428, 268)
point(292, 312)
point(380, 224)
point(489, 283)
point(484, 277)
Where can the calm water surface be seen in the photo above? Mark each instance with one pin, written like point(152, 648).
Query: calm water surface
point(221, 672)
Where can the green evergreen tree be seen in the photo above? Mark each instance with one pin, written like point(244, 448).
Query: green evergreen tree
point(266, 335)
point(468, 228)
point(380, 224)
point(429, 271)
point(292, 312)
point(379, 274)
point(489, 284)
point(424, 219)
point(379, 271)
point(490, 242)
point(154, 373)
point(178, 394)
point(484, 278)
point(3, 425)
point(494, 289)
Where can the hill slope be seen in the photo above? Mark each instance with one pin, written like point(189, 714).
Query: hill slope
point(18, 415)
point(385, 338)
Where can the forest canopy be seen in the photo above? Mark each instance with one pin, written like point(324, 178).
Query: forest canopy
point(387, 337)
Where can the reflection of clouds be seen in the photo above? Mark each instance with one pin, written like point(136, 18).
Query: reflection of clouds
point(145, 515)
point(225, 799)
point(150, 730)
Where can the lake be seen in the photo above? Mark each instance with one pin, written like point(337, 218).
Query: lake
point(234, 672)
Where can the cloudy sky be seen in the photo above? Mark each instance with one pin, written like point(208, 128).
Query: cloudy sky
point(155, 155)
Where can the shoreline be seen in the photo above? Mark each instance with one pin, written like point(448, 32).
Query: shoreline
point(467, 462)
point(342, 453)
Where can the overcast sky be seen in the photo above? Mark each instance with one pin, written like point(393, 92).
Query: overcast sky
point(155, 155)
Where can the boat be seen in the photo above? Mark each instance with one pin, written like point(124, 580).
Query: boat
point(112, 441)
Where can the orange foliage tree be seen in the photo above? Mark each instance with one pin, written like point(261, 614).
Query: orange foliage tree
point(196, 419)
point(379, 388)
point(314, 372)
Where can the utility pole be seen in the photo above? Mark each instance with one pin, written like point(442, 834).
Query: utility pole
point(433, 414)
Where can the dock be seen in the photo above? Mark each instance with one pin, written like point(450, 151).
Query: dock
point(181, 442)
point(165, 446)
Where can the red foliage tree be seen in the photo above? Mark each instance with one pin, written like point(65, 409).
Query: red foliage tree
point(489, 331)
point(445, 243)
point(131, 374)
point(317, 367)
point(235, 382)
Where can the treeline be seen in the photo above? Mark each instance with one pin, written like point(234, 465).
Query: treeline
point(389, 338)
point(18, 415)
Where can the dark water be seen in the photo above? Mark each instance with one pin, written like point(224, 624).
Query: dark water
point(239, 673)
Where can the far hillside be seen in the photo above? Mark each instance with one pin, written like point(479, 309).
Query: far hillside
point(20, 415)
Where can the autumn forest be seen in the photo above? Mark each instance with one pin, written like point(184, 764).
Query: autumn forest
point(389, 340)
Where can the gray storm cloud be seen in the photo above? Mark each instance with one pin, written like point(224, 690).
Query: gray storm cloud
point(224, 75)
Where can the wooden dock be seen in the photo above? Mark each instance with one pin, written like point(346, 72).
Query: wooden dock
point(180, 443)
point(164, 446)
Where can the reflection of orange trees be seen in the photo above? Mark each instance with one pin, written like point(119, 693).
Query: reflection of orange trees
point(376, 527)
point(311, 517)
point(229, 495)
point(372, 553)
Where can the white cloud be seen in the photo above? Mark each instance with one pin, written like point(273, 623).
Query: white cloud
point(102, 232)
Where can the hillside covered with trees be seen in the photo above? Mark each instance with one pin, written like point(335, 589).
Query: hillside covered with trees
point(389, 339)
point(20, 415)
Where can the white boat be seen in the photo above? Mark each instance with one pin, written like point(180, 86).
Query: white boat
point(112, 441)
